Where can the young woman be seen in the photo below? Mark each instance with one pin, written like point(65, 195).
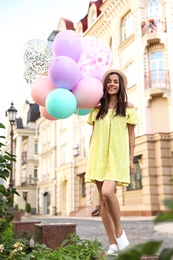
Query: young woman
point(110, 160)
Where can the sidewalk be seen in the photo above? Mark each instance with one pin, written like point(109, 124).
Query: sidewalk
point(166, 227)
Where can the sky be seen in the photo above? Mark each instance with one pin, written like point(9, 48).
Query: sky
point(20, 22)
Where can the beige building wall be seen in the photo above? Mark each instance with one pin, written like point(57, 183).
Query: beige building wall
point(63, 144)
point(46, 185)
point(153, 101)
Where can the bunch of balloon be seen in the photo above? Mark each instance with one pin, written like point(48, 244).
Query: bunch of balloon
point(73, 83)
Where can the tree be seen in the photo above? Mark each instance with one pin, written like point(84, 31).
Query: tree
point(6, 196)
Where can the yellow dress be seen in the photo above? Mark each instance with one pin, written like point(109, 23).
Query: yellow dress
point(109, 149)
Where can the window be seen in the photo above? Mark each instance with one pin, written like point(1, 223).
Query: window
point(83, 187)
point(36, 147)
point(23, 178)
point(154, 9)
point(35, 173)
point(79, 30)
point(136, 178)
point(64, 154)
point(93, 16)
point(130, 72)
point(157, 66)
point(127, 26)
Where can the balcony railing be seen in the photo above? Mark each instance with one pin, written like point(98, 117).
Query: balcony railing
point(30, 181)
point(153, 25)
point(157, 79)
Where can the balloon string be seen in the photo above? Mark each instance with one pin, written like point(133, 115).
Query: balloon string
point(80, 129)
point(90, 200)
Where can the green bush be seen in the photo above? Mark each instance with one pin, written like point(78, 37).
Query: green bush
point(6, 236)
point(16, 207)
point(72, 248)
point(28, 208)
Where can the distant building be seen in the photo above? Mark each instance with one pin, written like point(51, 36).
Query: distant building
point(26, 150)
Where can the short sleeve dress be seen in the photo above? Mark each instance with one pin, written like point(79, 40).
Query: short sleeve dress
point(109, 148)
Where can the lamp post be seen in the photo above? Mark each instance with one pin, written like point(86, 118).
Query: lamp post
point(11, 112)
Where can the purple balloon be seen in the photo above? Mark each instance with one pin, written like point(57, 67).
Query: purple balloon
point(67, 43)
point(64, 72)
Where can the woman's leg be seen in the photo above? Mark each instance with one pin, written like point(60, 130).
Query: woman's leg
point(112, 204)
point(106, 218)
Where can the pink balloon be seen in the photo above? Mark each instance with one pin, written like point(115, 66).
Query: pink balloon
point(88, 42)
point(40, 89)
point(64, 72)
point(45, 114)
point(67, 43)
point(95, 59)
point(88, 93)
point(102, 72)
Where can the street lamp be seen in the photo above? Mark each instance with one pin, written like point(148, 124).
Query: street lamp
point(11, 112)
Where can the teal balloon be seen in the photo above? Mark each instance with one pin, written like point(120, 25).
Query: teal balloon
point(61, 103)
point(82, 112)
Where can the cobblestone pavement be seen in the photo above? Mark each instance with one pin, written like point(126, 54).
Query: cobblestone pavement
point(138, 230)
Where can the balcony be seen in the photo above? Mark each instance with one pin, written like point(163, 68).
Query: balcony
point(24, 182)
point(153, 30)
point(157, 83)
point(157, 79)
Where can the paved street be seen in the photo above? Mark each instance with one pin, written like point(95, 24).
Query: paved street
point(138, 229)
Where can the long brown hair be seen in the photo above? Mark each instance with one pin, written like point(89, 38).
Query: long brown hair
point(120, 108)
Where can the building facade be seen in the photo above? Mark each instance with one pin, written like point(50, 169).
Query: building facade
point(140, 34)
point(25, 143)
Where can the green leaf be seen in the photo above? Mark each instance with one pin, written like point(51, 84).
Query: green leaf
point(15, 192)
point(135, 253)
point(10, 157)
point(2, 159)
point(151, 247)
point(4, 174)
point(130, 254)
point(2, 126)
point(3, 190)
point(166, 253)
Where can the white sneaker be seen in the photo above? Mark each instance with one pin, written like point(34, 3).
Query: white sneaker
point(122, 241)
point(113, 250)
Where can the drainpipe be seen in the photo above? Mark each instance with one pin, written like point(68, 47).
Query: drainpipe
point(72, 167)
point(73, 176)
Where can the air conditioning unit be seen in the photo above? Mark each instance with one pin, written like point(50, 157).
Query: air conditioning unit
point(76, 152)
point(75, 146)
point(75, 149)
